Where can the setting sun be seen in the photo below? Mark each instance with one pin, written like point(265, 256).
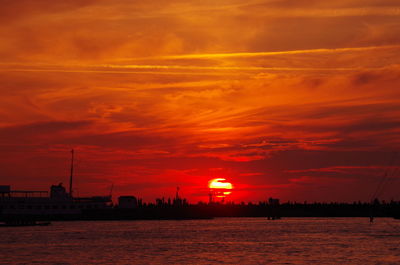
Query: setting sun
point(219, 183)
point(219, 187)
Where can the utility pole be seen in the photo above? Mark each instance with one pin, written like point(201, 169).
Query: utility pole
point(72, 173)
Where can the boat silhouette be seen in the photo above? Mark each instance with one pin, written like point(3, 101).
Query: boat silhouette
point(24, 207)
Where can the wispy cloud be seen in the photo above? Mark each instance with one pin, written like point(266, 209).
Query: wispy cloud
point(285, 98)
point(263, 54)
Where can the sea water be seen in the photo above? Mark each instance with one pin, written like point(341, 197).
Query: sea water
point(218, 241)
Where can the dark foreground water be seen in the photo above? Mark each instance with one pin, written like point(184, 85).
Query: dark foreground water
point(218, 241)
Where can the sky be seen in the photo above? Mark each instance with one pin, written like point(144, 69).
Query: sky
point(294, 99)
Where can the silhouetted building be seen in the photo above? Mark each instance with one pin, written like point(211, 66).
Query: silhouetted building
point(274, 202)
point(127, 202)
point(273, 209)
point(5, 190)
point(58, 192)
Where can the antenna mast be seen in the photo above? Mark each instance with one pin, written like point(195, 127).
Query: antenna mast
point(177, 193)
point(111, 190)
point(72, 172)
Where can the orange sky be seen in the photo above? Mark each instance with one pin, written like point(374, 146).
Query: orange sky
point(298, 99)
